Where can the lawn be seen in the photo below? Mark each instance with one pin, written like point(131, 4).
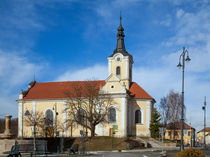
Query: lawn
point(106, 143)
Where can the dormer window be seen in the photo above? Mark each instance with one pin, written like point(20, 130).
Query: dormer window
point(118, 70)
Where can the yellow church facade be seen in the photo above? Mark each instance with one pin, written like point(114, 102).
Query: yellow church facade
point(131, 108)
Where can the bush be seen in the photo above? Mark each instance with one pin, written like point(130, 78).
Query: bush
point(191, 153)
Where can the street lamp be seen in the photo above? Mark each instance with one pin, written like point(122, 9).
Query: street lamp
point(56, 114)
point(204, 109)
point(187, 59)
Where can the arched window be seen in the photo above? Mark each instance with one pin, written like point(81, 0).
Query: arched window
point(80, 117)
point(138, 116)
point(111, 115)
point(49, 117)
point(27, 113)
point(118, 70)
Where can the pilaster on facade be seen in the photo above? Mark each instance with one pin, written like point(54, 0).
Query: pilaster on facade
point(20, 119)
point(64, 118)
point(148, 116)
point(109, 67)
point(124, 116)
point(34, 112)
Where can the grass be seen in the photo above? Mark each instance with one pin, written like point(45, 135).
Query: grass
point(104, 143)
point(171, 154)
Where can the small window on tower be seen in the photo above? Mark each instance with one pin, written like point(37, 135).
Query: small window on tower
point(118, 70)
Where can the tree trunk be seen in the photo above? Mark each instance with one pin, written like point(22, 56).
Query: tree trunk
point(92, 131)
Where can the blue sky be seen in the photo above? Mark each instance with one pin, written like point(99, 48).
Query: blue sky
point(70, 40)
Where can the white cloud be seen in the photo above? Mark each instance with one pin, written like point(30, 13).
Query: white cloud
point(192, 28)
point(96, 72)
point(15, 71)
point(179, 13)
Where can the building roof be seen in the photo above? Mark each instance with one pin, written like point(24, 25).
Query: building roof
point(137, 92)
point(177, 125)
point(207, 129)
point(63, 90)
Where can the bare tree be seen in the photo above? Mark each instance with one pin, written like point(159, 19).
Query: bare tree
point(43, 125)
point(37, 121)
point(14, 126)
point(170, 108)
point(87, 106)
point(1, 125)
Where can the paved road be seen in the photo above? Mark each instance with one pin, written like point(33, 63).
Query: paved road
point(117, 154)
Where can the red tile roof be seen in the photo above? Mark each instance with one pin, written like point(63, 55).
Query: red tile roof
point(62, 90)
point(177, 125)
point(138, 92)
point(207, 129)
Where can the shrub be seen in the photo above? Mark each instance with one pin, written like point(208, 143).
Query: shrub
point(191, 152)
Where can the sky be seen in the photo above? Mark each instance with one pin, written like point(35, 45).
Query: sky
point(64, 40)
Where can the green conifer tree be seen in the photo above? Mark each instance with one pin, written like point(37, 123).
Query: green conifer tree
point(155, 124)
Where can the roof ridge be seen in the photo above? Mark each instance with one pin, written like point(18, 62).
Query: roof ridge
point(72, 81)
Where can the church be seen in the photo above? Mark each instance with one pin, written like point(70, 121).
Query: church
point(131, 110)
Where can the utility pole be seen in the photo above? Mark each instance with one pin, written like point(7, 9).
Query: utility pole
point(204, 109)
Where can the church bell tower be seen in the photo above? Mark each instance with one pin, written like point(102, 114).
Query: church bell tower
point(120, 62)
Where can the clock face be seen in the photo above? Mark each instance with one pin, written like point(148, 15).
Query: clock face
point(118, 59)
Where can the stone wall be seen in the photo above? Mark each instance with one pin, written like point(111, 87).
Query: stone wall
point(24, 145)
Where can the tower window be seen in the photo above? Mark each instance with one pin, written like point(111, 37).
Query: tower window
point(118, 70)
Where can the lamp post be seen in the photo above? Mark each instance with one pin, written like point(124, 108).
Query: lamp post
point(204, 109)
point(56, 114)
point(187, 59)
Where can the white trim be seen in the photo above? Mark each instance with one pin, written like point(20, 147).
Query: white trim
point(34, 107)
point(129, 117)
point(117, 79)
point(116, 54)
point(123, 117)
point(64, 118)
point(126, 69)
point(109, 67)
point(148, 113)
point(123, 91)
point(20, 119)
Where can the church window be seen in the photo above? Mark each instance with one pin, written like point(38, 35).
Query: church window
point(111, 115)
point(49, 117)
point(80, 116)
point(27, 113)
point(138, 116)
point(112, 86)
point(118, 70)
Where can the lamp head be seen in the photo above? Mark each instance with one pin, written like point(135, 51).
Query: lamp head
point(179, 65)
point(188, 59)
